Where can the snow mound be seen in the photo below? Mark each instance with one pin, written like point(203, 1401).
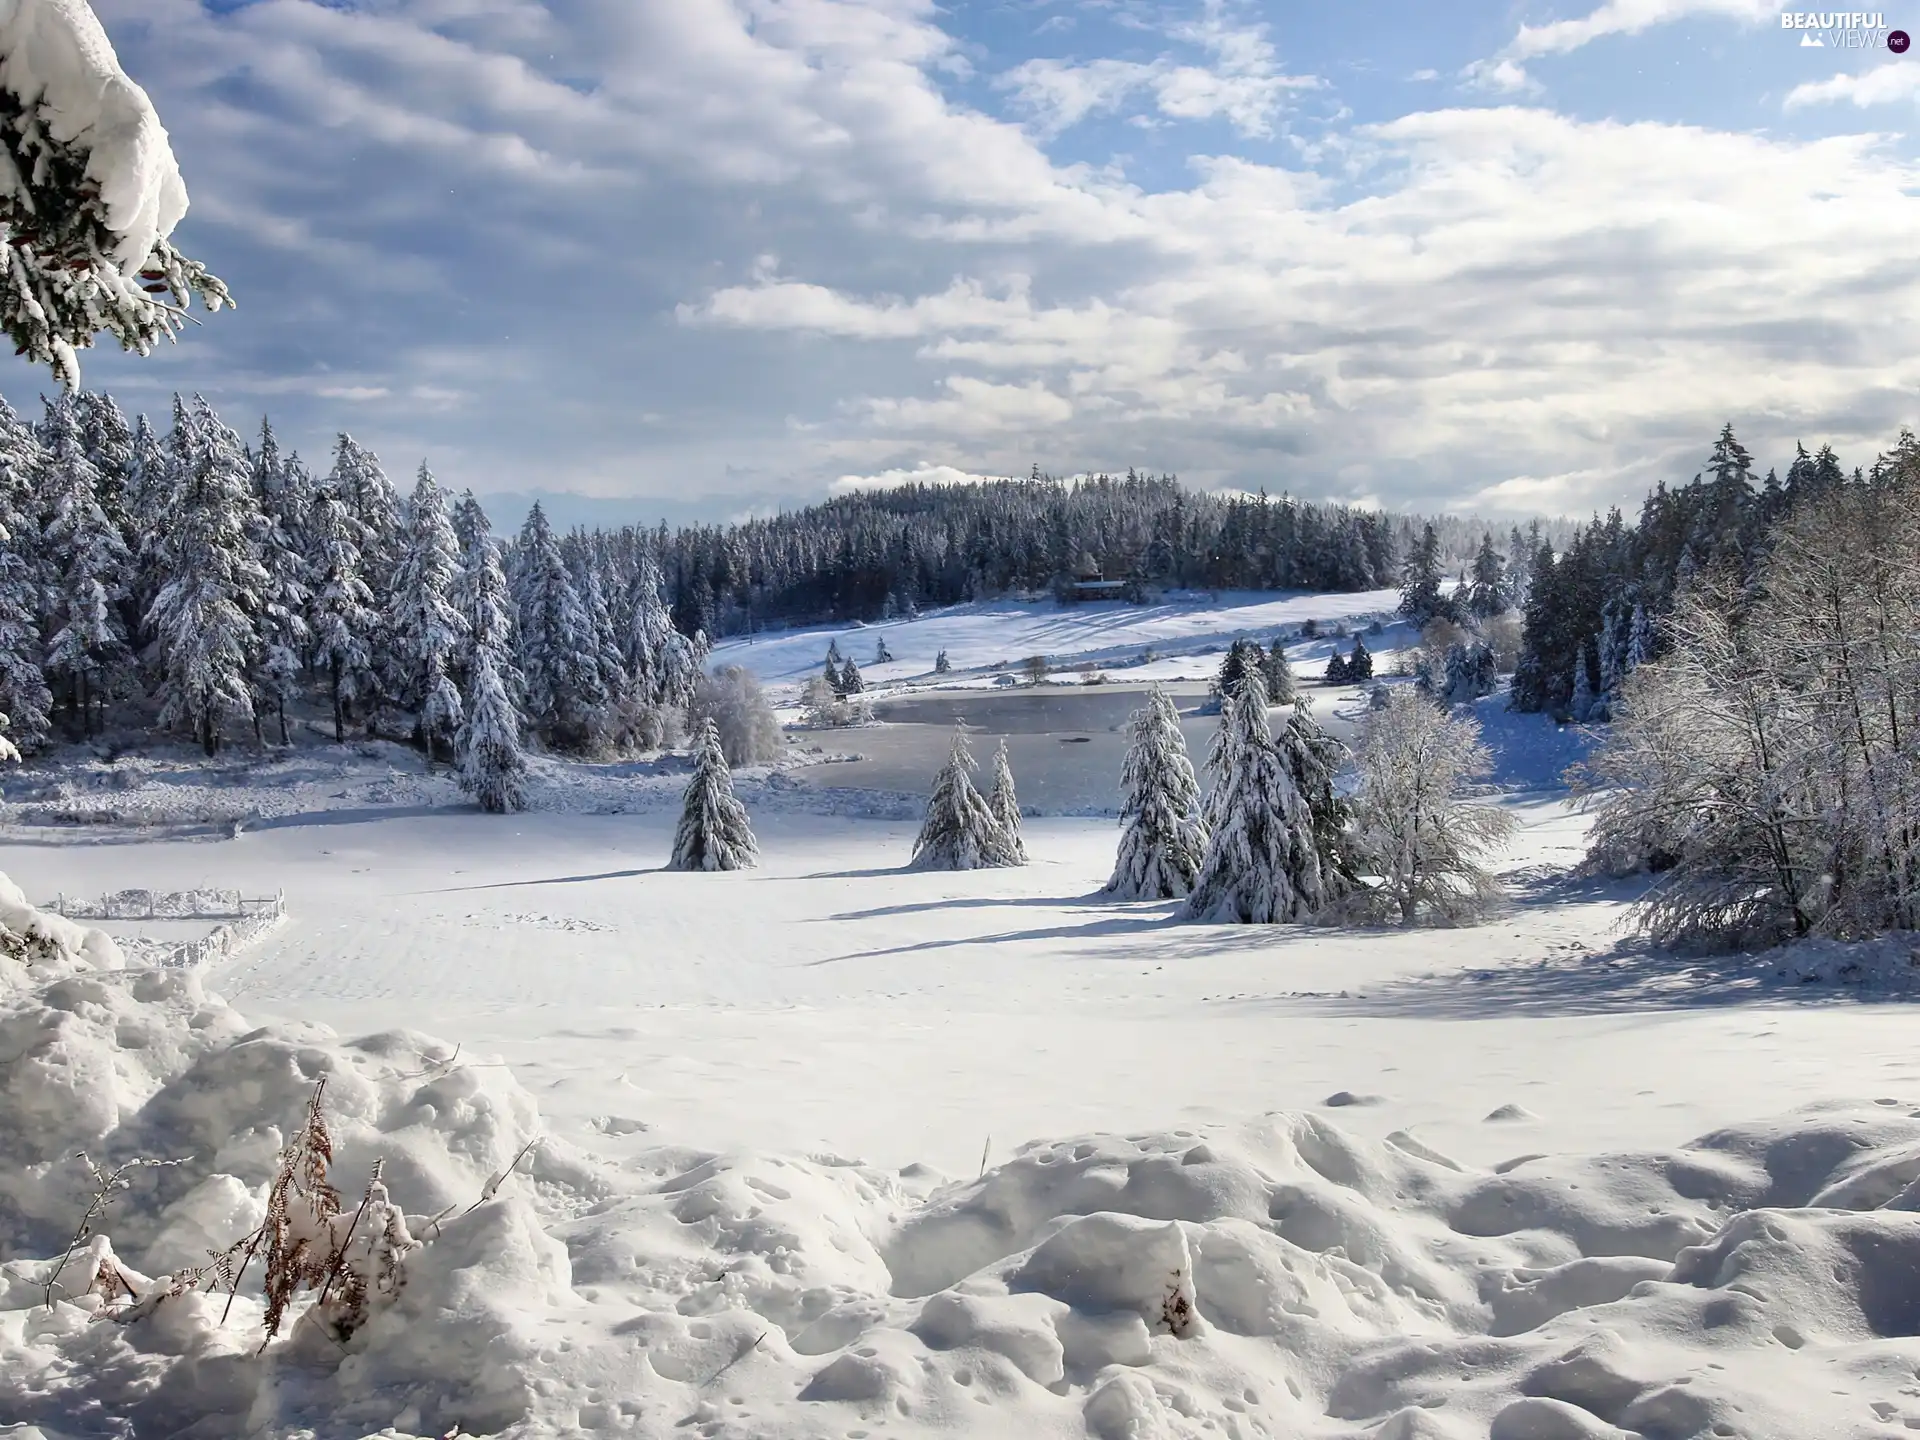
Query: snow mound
point(1278, 1277)
point(1885, 962)
point(54, 55)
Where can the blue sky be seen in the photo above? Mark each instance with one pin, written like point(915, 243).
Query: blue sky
point(698, 258)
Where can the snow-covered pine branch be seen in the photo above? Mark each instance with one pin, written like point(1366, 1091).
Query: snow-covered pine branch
point(713, 833)
point(1163, 839)
point(89, 196)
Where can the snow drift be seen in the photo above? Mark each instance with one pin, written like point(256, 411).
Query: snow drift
point(1280, 1277)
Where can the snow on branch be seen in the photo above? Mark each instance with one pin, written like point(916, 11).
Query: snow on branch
point(89, 195)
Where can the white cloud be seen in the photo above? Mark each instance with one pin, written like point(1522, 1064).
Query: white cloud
point(1243, 85)
point(1629, 17)
point(1887, 84)
point(411, 201)
point(917, 475)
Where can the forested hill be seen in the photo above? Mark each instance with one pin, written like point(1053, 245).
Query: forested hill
point(872, 554)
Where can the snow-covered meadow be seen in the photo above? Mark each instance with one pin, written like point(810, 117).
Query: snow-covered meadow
point(833, 1148)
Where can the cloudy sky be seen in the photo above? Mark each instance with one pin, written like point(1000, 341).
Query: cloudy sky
point(700, 257)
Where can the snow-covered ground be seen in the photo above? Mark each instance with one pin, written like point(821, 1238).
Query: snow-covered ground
point(834, 1149)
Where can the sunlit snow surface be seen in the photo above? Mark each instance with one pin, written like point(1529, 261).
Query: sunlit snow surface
point(767, 1097)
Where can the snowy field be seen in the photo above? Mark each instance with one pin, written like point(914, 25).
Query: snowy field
point(833, 1149)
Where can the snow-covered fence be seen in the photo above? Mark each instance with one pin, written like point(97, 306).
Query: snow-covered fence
point(168, 905)
point(244, 920)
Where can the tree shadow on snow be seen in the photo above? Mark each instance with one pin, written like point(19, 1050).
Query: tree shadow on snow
point(981, 902)
point(548, 880)
point(1633, 977)
point(1114, 926)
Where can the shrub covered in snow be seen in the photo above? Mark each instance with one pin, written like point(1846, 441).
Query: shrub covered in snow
point(1421, 841)
point(733, 702)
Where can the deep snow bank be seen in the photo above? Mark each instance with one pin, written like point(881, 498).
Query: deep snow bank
point(1278, 1278)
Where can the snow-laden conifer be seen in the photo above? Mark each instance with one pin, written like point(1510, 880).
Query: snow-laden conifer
point(1261, 866)
point(481, 596)
point(713, 833)
point(342, 614)
point(960, 832)
point(1421, 842)
point(283, 493)
point(86, 562)
point(1004, 803)
point(369, 497)
point(425, 632)
point(493, 768)
point(1313, 759)
point(24, 697)
point(1278, 673)
point(201, 620)
point(649, 633)
point(558, 655)
point(1163, 839)
point(1580, 707)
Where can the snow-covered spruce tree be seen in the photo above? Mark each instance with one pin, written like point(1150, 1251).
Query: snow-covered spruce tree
point(649, 632)
point(91, 196)
point(342, 617)
point(282, 492)
point(1004, 803)
point(24, 697)
point(942, 665)
point(959, 832)
point(201, 620)
point(713, 833)
point(1420, 597)
point(1337, 673)
point(1487, 593)
point(424, 630)
point(851, 680)
point(370, 499)
point(87, 561)
point(1261, 866)
point(1163, 839)
point(606, 655)
point(1580, 707)
point(1313, 758)
point(480, 594)
point(150, 501)
point(1416, 836)
point(108, 441)
point(493, 768)
point(1639, 640)
point(558, 657)
point(882, 655)
point(1278, 673)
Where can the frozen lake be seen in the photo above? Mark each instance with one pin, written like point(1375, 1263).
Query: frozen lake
point(1066, 742)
